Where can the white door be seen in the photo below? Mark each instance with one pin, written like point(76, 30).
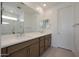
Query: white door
point(77, 40)
point(65, 28)
point(76, 29)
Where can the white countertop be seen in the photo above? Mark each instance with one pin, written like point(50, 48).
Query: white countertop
point(13, 39)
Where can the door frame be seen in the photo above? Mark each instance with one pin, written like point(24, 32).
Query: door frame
point(58, 23)
point(75, 47)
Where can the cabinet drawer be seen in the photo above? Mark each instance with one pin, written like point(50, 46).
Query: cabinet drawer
point(48, 36)
point(42, 38)
point(16, 47)
point(34, 40)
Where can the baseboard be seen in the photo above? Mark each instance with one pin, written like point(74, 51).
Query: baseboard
point(65, 49)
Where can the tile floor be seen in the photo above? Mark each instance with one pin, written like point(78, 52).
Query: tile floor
point(58, 52)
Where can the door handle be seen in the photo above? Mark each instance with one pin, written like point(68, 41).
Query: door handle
point(76, 25)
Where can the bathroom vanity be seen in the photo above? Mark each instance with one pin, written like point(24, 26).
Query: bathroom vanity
point(23, 34)
point(30, 48)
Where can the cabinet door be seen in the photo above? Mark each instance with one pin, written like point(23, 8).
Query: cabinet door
point(47, 41)
point(34, 50)
point(46, 44)
point(4, 52)
point(41, 46)
point(24, 52)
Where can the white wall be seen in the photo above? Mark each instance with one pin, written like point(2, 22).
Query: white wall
point(30, 19)
point(54, 26)
point(51, 14)
point(30, 22)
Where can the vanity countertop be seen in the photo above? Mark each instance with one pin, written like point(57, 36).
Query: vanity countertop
point(13, 39)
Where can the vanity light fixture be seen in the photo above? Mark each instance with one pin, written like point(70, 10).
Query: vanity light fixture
point(7, 17)
point(44, 5)
point(38, 8)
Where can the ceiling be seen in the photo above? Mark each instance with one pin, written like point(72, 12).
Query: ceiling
point(49, 4)
point(35, 5)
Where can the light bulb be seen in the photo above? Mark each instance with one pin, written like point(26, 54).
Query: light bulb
point(44, 5)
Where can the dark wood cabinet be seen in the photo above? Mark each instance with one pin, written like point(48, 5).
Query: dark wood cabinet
point(42, 45)
point(32, 48)
point(4, 52)
point(46, 44)
point(24, 52)
point(47, 41)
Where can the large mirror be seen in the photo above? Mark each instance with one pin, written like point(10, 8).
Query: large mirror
point(18, 18)
point(12, 18)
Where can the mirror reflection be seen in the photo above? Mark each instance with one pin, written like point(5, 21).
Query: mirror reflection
point(12, 18)
point(18, 18)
